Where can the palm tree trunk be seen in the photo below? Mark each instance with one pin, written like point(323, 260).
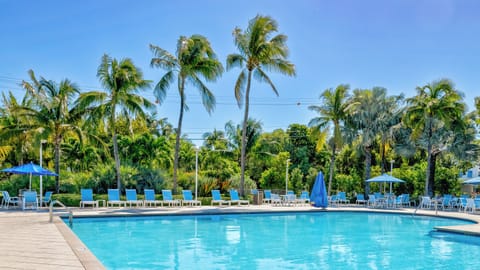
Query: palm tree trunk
point(431, 179)
point(116, 155)
point(428, 176)
point(368, 164)
point(428, 188)
point(117, 159)
point(244, 135)
point(383, 169)
point(58, 139)
point(177, 138)
point(332, 165)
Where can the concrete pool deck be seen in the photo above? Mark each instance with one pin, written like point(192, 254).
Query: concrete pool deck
point(30, 241)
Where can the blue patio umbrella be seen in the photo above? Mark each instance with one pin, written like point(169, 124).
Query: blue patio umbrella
point(472, 181)
point(385, 178)
point(319, 192)
point(31, 169)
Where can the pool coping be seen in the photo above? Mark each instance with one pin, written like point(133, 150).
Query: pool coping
point(83, 253)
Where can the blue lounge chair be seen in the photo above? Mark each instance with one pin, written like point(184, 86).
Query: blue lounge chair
point(360, 199)
point(30, 199)
point(267, 196)
point(234, 198)
point(217, 198)
point(168, 198)
point(47, 198)
point(131, 195)
point(372, 202)
point(150, 198)
point(7, 200)
point(87, 198)
point(188, 198)
point(406, 200)
point(463, 203)
point(342, 197)
point(304, 198)
point(114, 198)
point(446, 201)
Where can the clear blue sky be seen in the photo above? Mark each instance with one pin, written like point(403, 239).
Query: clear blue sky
point(398, 44)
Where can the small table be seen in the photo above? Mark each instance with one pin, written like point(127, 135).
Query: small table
point(103, 203)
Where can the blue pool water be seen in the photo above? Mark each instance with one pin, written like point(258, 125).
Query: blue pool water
point(278, 241)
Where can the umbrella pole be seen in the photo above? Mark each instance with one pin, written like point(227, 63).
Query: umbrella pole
point(30, 185)
point(390, 187)
point(41, 191)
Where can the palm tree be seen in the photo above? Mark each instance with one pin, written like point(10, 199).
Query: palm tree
point(14, 128)
point(122, 80)
point(51, 114)
point(194, 59)
point(234, 134)
point(366, 113)
point(258, 52)
point(331, 112)
point(436, 106)
point(214, 140)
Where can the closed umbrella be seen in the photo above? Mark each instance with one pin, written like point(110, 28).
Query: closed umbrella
point(31, 169)
point(319, 193)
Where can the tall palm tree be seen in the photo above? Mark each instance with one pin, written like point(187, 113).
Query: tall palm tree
point(331, 112)
point(51, 115)
point(366, 110)
point(258, 52)
point(194, 59)
point(122, 81)
point(437, 105)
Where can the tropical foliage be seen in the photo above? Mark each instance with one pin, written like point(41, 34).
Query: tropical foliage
point(115, 138)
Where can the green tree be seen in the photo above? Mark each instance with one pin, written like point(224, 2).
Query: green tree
point(122, 80)
point(437, 105)
point(331, 112)
point(234, 133)
point(194, 59)
point(51, 114)
point(14, 128)
point(258, 52)
point(366, 111)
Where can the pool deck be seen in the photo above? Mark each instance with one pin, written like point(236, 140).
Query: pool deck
point(30, 241)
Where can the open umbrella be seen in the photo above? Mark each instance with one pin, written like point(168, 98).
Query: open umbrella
point(385, 178)
point(31, 169)
point(472, 181)
point(319, 192)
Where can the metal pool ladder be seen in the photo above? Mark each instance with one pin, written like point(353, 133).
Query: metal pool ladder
point(70, 213)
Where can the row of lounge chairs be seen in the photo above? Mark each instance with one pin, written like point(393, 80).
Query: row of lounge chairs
point(132, 200)
point(375, 200)
point(289, 199)
point(449, 202)
point(28, 199)
point(150, 200)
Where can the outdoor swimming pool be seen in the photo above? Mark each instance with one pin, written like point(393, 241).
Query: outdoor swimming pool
point(334, 240)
